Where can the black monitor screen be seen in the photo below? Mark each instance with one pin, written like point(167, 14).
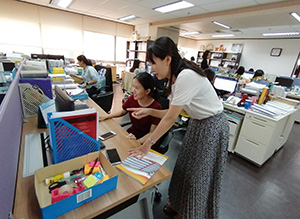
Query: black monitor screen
point(285, 81)
point(8, 66)
point(63, 102)
point(225, 84)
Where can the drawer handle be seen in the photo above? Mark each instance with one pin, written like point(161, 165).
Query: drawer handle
point(260, 119)
point(232, 121)
point(259, 124)
point(253, 142)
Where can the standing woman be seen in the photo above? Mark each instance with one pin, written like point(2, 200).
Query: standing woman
point(196, 181)
point(205, 56)
point(90, 76)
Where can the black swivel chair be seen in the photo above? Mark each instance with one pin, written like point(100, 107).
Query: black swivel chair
point(105, 95)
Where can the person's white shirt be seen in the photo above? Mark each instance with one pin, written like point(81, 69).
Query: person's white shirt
point(196, 94)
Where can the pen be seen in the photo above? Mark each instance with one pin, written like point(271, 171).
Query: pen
point(93, 165)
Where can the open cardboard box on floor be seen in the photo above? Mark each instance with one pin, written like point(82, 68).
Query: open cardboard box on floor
point(59, 208)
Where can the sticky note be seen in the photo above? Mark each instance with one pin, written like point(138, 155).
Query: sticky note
point(92, 179)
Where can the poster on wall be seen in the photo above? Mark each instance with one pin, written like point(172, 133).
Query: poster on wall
point(237, 48)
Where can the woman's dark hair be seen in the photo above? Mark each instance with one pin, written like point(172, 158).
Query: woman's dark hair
point(205, 54)
point(251, 69)
point(240, 70)
point(258, 73)
point(147, 81)
point(84, 60)
point(164, 46)
point(210, 74)
point(135, 65)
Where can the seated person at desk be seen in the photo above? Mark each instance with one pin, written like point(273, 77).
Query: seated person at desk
point(210, 74)
point(135, 67)
point(144, 95)
point(240, 71)
point(90, 76)
point(258, 75)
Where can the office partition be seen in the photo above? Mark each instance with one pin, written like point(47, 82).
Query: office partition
point(11, 120)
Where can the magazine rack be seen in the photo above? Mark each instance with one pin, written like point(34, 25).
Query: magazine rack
point(68, 142)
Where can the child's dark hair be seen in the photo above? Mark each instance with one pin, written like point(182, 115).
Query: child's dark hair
point(84, 60)
point(147, 81)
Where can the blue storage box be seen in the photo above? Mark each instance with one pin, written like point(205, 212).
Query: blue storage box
point(57, 209)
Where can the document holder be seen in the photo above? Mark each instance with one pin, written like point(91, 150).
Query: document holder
point(68, 142)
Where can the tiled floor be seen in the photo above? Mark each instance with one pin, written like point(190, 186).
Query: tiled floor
point(271, 191)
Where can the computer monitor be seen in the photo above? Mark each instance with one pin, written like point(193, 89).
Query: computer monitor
point(8, 66)
point(284, 81)
point(225, 83)
point(248, 74)
point(63, 102)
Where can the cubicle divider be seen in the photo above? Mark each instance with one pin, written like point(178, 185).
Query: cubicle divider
point(11, 120)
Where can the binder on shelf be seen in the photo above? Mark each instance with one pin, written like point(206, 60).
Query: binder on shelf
point(143, 169)
point(73, 134)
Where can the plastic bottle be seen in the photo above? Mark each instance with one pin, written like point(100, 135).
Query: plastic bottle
point(57, 177)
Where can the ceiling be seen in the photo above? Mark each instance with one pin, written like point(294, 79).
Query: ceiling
point(247, 18)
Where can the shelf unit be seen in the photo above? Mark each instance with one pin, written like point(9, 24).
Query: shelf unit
point(224, 58)
point(136, 50)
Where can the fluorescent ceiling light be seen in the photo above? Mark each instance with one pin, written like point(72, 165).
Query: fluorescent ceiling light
point(190, 33)
point(281, 34)
point(173, 6)
point(220, 24)
point(223, 35)
point(295, 15)
point(61, 3)
point(129, 17)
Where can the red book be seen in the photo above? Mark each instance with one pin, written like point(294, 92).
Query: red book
point(85, 120)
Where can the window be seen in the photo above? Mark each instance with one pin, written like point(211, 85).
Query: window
point(121, 46)
point(98, 46)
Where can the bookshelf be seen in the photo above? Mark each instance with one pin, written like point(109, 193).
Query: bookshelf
point(223, 58)
point(136, 50)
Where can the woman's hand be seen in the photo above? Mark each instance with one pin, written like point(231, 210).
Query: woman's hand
point(104, 117)
point(139, 152)
point(84, 85)
point(139, 113)
point(131, 136)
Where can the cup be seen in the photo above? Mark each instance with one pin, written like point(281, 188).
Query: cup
point(247, 104)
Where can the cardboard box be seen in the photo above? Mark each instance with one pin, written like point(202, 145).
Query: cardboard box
point(59, 208)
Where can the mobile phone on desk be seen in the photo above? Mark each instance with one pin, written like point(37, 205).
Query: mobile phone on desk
point(113, 156)
point(106, 135)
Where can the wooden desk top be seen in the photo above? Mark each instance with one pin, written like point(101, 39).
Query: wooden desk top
point(26, 204)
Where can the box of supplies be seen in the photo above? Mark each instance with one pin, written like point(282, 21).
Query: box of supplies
point(53, 210)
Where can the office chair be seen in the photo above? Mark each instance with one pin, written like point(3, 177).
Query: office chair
point(105, 94)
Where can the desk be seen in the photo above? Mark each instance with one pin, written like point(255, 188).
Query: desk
point(295, 96)
point(26, 205)
point(260, 136)
point(127, 81)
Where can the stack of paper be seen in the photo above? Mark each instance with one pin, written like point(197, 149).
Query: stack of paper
point(142, 169)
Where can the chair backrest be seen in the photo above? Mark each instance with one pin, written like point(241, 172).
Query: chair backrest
point(108, 76)
point(104, 100)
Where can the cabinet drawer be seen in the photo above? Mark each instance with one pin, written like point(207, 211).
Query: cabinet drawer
point(257, 130)
point(252, 150)
point(260, 119)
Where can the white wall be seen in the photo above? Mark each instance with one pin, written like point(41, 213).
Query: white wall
point(30, 29)
point(256, 54)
